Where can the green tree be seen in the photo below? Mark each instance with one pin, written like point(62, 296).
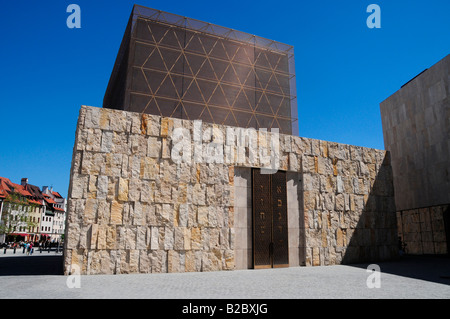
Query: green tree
point(15, 214)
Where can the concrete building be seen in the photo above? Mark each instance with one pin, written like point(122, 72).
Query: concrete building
point(416, 129)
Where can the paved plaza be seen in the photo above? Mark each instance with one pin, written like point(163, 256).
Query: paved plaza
point(39, 276)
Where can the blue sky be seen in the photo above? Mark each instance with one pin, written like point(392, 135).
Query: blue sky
point(343, 68)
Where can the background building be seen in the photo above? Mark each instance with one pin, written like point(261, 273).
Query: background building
point(416, 129)
point(173, 66)
point(29, 214)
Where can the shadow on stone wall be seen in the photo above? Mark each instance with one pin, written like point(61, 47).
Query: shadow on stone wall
point(374, 238)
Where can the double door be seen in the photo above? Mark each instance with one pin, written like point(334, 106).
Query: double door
point(270, 228)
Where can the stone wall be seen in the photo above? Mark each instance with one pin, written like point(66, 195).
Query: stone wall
point(348, 203)
point(151, 194)
point(422, 231)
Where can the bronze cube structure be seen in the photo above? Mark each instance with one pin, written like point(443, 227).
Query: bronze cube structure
point(173, 66)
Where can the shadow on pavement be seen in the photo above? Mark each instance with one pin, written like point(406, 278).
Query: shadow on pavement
point(424, 267)
point(31, 265)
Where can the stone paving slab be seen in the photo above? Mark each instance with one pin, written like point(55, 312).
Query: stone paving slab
point(407, 278)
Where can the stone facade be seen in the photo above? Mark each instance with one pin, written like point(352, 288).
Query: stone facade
point(422, 230)
point(152, 194)
point(416, 130)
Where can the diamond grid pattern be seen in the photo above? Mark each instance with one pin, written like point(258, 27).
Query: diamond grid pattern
point(182, 73)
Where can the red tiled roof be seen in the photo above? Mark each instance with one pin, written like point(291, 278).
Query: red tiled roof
point(49, 200)
point(59, 209)
point(7, 186)
point(56, 194)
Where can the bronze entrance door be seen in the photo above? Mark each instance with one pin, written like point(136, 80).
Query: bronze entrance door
point(270, 229)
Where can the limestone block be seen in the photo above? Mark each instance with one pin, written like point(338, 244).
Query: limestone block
point(294, 162)
point(135, 168)
point(178, 238)
point(229, 259)
point(309, 200)
point(107, 142)
point(308, 164)
point(324, 166)
point(164, 214)
point(147, 191)
point(101, 237)
point(214, 238)
point(187, 238)
point(315, 147)
point(158, 260)
point(110, 164)
point(79, 185)
point(138, 145)
point(153, 125)
point(138, 217)
point(193, 261)
point(199, 194)
point(202, 216)
point(120, 143)
point(90, 211)
point(133, 261)
point(133, 123)
point(111, 237)
point(212, 216)
point(145, 266)
point(183, 215)
point(173, 261)
point(232, 238)
point(149, 168)
point(117, 121)
point(154, 147)
point(73, 235)
point(212, 260)
point(92, 117)
point(116, 212)
point(81, 139)
point(93, 142)
point(340, 202)
point(356, 153)
point(102, 186)
point(92, 187)
point(315, 256)
point(166, 126)
point(154, 242)
point(130, 237)
point(168, 172)
point(196, 238)
point(339, 184)
point(224, 238)
point(122, 193)
point(169, 238)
